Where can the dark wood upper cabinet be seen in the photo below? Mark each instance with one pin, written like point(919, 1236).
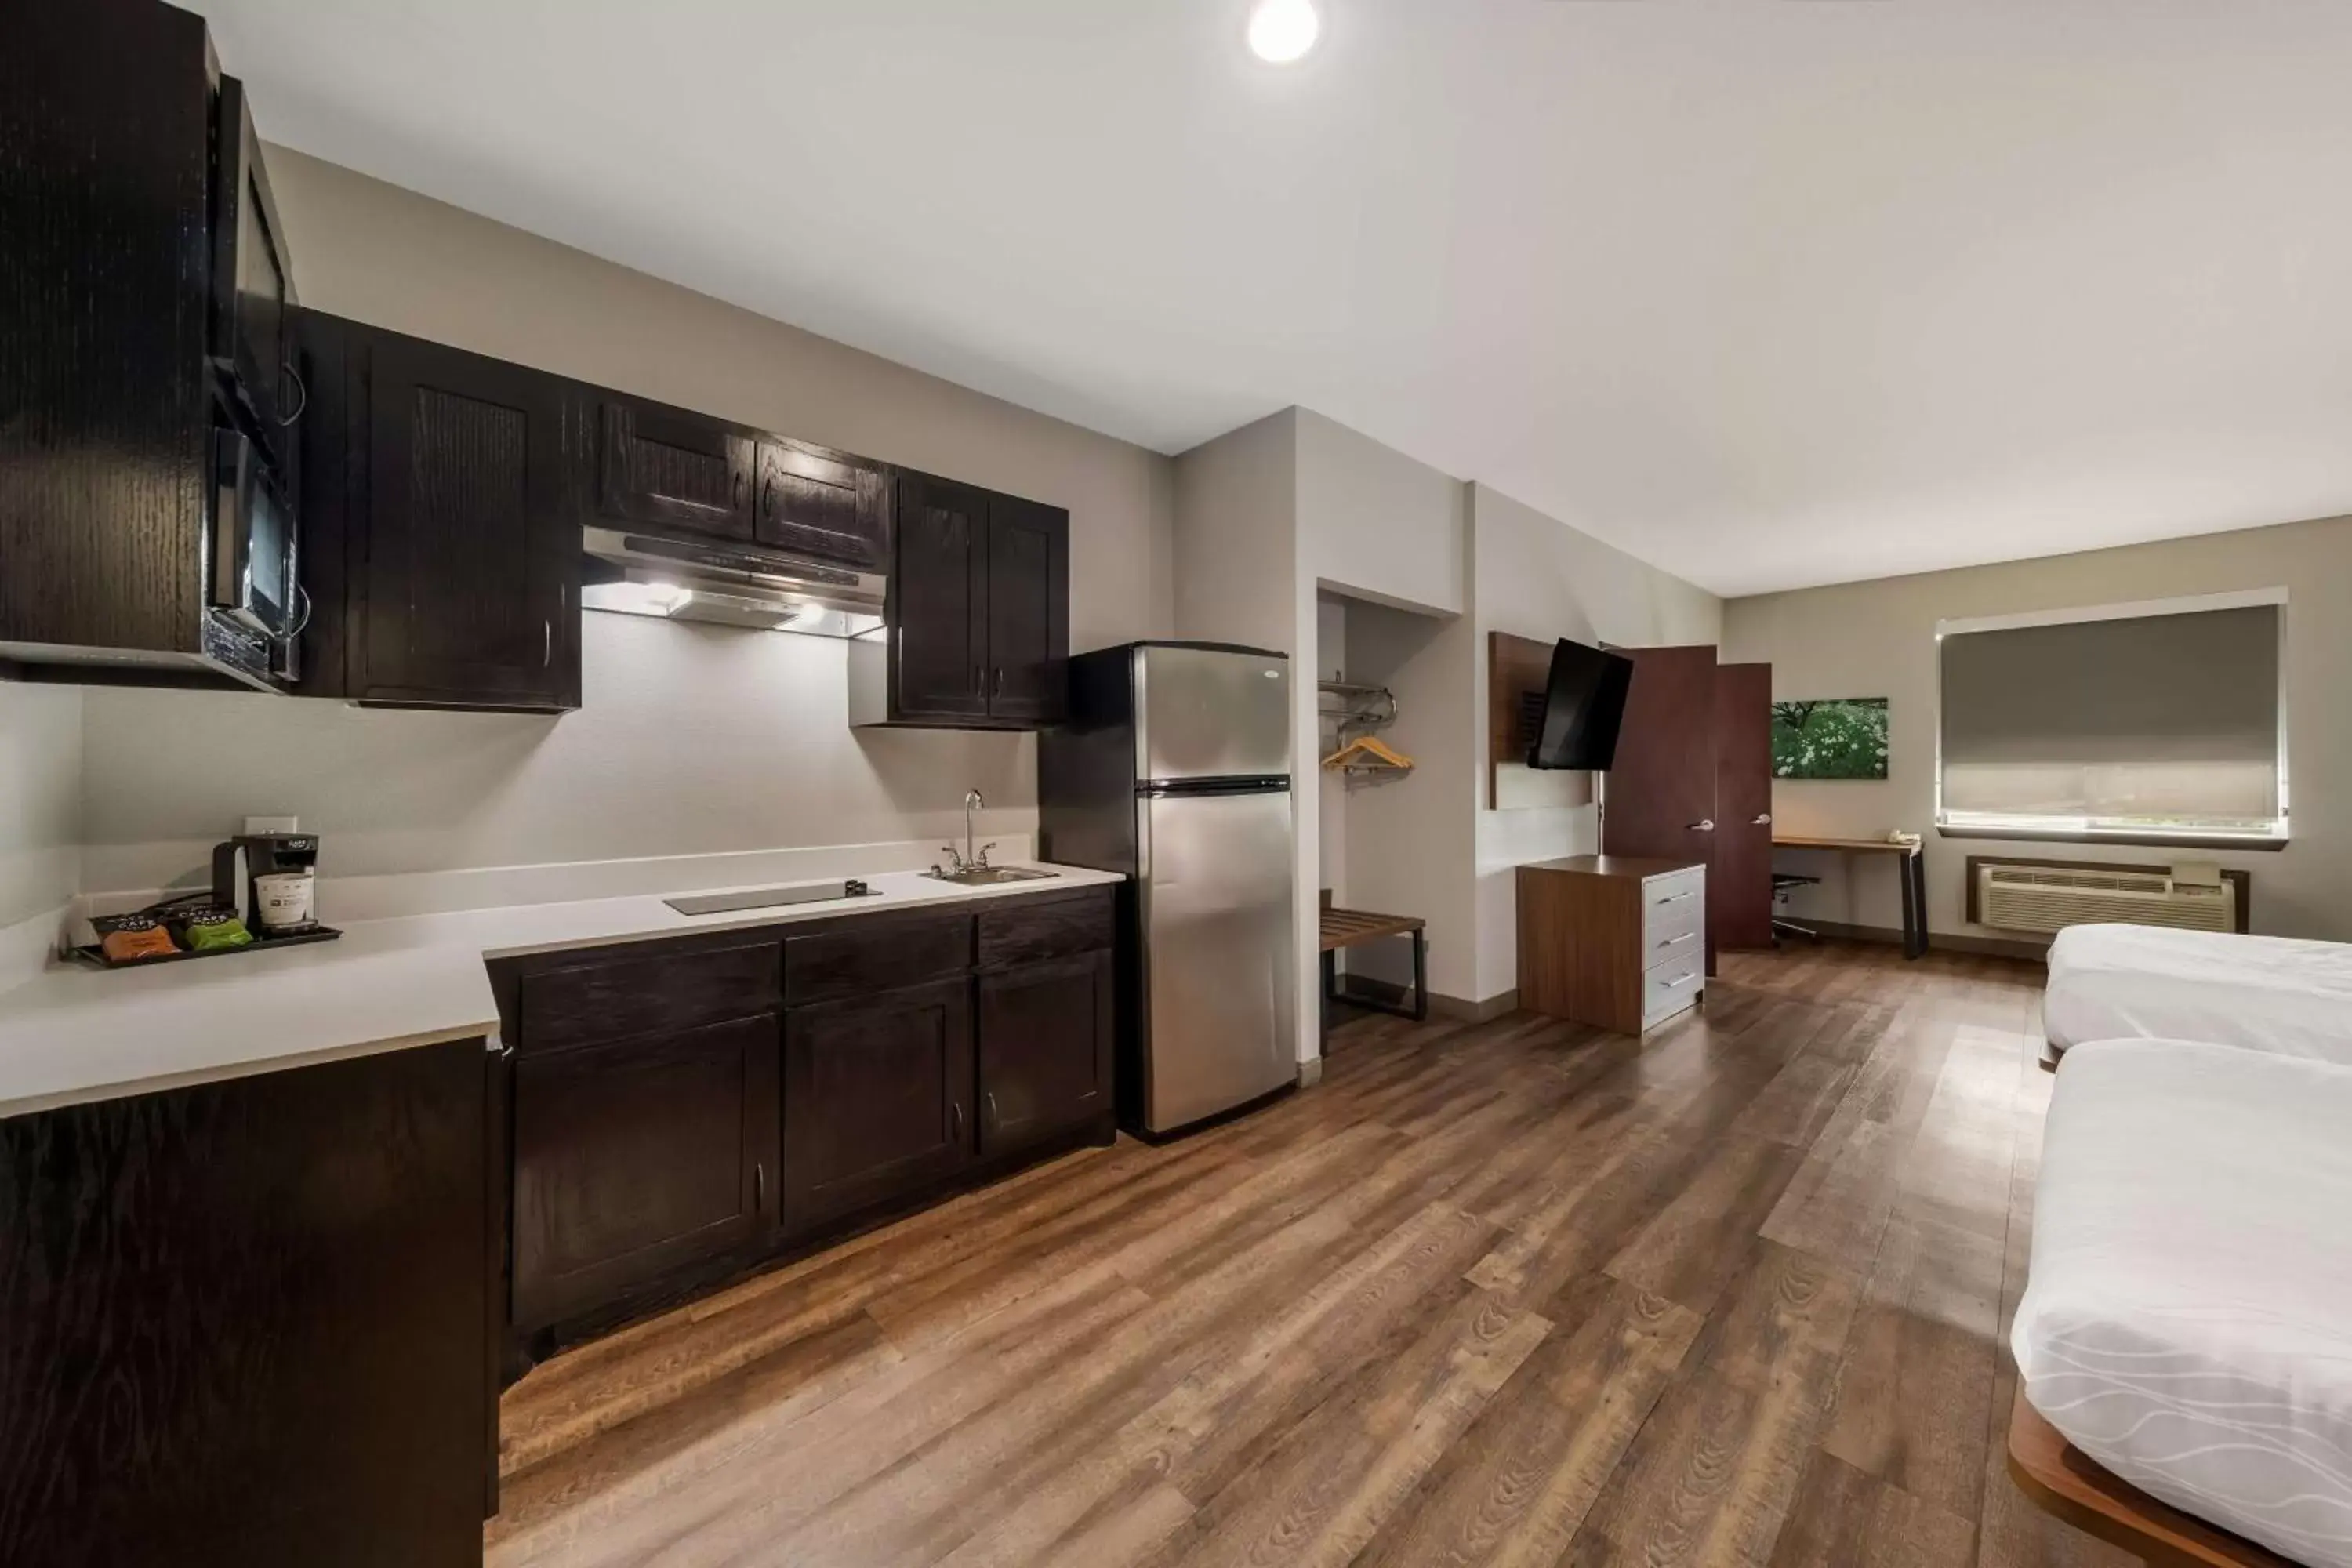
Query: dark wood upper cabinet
point(878, 1098)
point(661, 470)
point(670, 471)
point(636, 1157)
point(441, 526)
point(938, 601)
point(823, 504)
point(1028, 609)
point(1046, 1049)
point(978, 622)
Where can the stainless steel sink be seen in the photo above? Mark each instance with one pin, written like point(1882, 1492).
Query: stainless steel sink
point(990, 876)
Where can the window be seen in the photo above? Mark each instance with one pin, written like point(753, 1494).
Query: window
point(2141, 723)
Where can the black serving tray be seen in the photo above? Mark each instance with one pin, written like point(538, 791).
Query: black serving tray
point(93, 955)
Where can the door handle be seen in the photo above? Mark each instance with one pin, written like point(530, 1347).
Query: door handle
point(759, 1186)
point(955, 1117)
point(979, 680)
point(1763, 819)
point(992, 1117)
point(1000, 681)
point(546, 645)
point(1703, 824)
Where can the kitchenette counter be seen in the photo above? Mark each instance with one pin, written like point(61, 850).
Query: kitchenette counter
point(74, 1034)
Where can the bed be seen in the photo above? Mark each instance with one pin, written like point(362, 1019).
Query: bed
point(2187, 1322)
point(2265, 992)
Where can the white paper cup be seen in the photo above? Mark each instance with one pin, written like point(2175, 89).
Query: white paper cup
point(282, 899)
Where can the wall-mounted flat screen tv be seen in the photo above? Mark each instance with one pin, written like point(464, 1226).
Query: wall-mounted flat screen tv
point(1583, 706)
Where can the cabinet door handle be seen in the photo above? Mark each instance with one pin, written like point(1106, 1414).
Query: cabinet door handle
point(1000, 681)
point(759, 1187)
point(979, 680)
point(992, 1117)
point(955, 1117)
point(546, 645)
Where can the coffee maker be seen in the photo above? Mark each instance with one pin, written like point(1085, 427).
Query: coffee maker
point(239, 862)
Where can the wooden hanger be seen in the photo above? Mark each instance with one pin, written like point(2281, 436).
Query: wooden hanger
point(1369, 751)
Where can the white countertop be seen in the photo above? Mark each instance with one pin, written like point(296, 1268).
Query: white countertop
point(75, 1034)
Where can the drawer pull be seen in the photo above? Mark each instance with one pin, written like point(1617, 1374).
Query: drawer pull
point(1676, 898)
point(1678, 984)
point(1678, 941)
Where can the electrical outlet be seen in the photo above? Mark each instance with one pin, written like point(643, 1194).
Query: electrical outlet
point(273, 825)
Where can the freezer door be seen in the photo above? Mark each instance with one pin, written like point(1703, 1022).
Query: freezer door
point(1218, 957)
point(1204, 713)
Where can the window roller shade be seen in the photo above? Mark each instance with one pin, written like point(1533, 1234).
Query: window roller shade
point(2167, 719)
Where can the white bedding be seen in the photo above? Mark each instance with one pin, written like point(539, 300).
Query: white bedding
point(2188, 1318)
point(2265, 992)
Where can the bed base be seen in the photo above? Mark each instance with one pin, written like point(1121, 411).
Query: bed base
point(2062, 1480)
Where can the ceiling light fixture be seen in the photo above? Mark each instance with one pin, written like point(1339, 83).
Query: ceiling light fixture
point(1281, 31)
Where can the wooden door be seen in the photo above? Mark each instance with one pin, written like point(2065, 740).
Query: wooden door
point(939, 595)
point(472, 553)
point(665, 470)
point(636, 1157)
point(1044, 1041)
point(1740, 889)
point(878, 1098)
point(1028, 615)
point(1659, 799)
point(823, 504)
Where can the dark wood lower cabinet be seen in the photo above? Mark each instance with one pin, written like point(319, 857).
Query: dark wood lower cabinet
point(687, 1110)
point(637, 1157)
point(1045, 1044)
point(243, 1323)
point(878, 1098)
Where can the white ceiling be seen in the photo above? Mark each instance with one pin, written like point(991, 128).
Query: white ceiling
point(1770, 292)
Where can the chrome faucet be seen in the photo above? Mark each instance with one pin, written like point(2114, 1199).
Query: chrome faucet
point(967, 860)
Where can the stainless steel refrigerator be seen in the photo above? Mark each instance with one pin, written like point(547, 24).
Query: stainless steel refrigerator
point(1174, 768)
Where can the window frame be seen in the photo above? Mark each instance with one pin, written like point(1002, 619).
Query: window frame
point(2084, 830)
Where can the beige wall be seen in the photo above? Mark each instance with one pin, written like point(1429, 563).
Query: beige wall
point(40, 811)
point(1376, 522)
point(1386, 532)
point(691, 739)
point(1535, 576)
point(1878, 639)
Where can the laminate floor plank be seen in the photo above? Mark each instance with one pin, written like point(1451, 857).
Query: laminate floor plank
point(1515, 1292)
point(1513, 1491)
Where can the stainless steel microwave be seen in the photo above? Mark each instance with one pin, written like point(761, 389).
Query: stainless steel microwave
point(252, 305)
point(257, 604)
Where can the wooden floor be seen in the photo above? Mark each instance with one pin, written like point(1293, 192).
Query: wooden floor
point(1513, 1293)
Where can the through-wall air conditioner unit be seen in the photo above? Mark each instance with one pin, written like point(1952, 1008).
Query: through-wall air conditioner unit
point(2039, 899)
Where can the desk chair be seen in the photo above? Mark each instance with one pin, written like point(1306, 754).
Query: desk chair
point(1783, 882)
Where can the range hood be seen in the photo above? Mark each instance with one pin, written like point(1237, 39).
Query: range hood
point(747, 586)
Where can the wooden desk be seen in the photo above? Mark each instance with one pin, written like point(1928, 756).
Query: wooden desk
point(1913, 873)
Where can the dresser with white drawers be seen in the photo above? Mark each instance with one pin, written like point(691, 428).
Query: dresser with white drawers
point(1613, 940)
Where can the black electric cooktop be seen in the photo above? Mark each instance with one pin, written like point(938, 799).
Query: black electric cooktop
point(769, 898)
